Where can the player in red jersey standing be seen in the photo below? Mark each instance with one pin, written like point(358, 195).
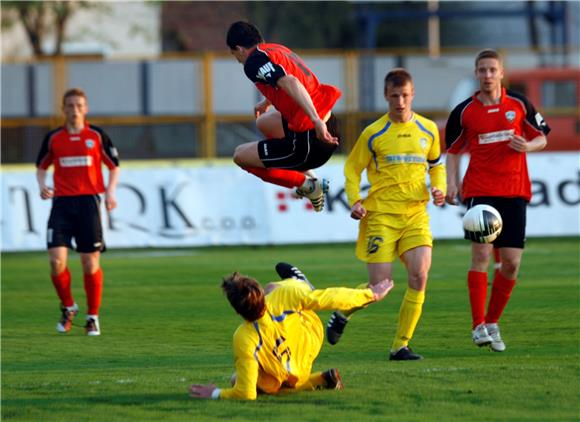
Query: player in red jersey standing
point(77, 150)
point(497, 127)
point(301, 132)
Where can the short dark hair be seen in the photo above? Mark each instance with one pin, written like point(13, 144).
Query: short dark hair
point(398, 77)
point(243, 34)
point(488, 53)
point(245, 295)
point(73, 92)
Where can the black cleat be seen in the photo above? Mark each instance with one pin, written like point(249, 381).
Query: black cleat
point(335, 327)
point(405, 353)
point(333, 379)
point(286, 270)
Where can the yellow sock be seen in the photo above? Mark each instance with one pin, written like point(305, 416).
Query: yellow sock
point(409, 315)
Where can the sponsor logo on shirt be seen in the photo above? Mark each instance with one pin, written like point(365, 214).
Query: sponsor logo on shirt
point(493, 137)
point(405, 159)
point(76, 161)
point(510, 115)
point(90, 143)
point(75, 138)
point(265, 71)
point(492, 110)
point(404, 135)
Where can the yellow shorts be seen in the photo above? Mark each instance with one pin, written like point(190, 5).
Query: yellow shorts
point(382, 237)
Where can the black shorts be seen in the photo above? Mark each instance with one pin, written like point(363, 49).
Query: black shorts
point(513, 215)
point(298, 150)
point(77, 217)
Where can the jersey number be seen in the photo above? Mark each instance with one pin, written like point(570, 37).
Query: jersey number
point(280, 350)
point(373, 244)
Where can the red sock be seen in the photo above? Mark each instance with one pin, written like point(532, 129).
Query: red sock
point(500, 295)
point(477, 285)
point(62, 283)
point(280, 177)
point(94, 289)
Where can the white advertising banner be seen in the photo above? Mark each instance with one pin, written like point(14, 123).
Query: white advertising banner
point(162, 206)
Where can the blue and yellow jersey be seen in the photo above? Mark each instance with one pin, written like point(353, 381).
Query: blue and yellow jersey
point(397, 157)
point(278, 349)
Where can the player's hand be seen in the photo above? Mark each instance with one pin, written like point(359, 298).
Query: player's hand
point(438, 197)
point(110, 201)
point(261, 108)
point(323, 134)
point(357, 211)
point(451, 197)
point(46, 192)
point(199, 391)
point(382, 288)
point(518, 143)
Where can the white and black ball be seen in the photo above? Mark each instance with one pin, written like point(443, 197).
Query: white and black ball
point(482, 224)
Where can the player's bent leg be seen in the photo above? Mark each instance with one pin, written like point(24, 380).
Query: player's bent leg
point(270, 124)
point(338, 320)
point(286, 270)
point(246, 155)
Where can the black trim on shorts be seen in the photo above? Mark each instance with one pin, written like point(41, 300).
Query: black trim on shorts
point(78, 218)
point(513, 215)
point(298, 150)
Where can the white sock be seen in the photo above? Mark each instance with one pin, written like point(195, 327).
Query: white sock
point(95, 317)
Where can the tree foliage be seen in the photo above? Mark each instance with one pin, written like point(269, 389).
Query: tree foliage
point(42, 20)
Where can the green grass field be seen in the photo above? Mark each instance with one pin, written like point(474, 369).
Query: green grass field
point(165, 324)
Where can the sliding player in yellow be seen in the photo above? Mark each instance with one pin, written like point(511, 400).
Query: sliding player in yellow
point(275, 347)
point(397, 151)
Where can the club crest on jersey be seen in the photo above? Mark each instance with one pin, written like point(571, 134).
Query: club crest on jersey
point(423, 142)
point(510, 116)
point(265, 71)
point(90, 143)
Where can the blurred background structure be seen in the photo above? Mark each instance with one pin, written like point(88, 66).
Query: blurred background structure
point(161, 81)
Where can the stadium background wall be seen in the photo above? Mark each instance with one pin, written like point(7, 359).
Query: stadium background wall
point(200, 105)
point(195, 203)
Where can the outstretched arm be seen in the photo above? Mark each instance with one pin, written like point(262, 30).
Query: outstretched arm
point(345, 299)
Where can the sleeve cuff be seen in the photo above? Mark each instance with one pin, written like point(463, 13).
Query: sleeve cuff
point(215, 394)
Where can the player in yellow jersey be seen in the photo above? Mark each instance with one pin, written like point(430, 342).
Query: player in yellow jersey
point(397, 151)
point(275, 347)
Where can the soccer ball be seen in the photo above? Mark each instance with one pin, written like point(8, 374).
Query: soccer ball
point(482, 223)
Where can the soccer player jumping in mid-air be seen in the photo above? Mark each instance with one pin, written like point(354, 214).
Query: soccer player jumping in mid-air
point(301, 132)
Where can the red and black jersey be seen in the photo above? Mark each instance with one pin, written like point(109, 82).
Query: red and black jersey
point(77, 160)
point(268, 63)
point(484, 131)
